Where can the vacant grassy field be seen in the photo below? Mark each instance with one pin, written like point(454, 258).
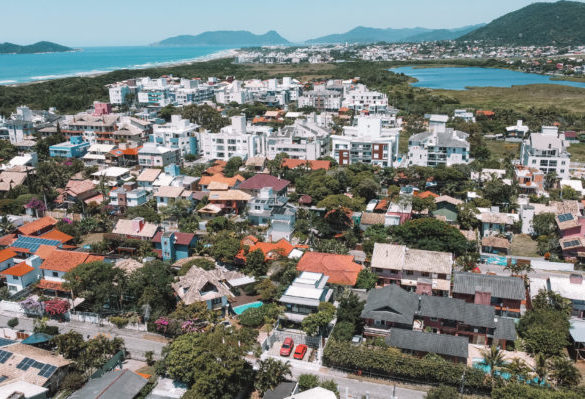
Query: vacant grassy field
point(302, 71)
point(499, 149)
point(523, 245)
point(523, 97)
point(577, 152)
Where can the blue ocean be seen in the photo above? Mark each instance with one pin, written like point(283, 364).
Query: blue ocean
point(20, 68)
point(462, 78)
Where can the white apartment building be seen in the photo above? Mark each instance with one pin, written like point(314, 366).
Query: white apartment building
point(152, 154)
point(302, 140)
point(238, 139)
point(367, 142)
point(233, 92)
point(118, 94)
point(361, 99)
point(547, 152)
point(179, 134)
point(321, 99)
point(438, 146)
point(193, 91)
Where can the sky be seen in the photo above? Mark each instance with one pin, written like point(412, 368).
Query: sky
point(140, 22)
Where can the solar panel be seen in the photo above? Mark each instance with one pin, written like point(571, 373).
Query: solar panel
point(3, 377)
point(565, 217)
point(4, 356)
point(47, 370)
point(37, 365)
point(25, 363)
point(4, 341)
point(33, 243)
point(571, 243)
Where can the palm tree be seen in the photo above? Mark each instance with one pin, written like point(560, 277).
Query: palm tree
point(270, 373)
point(518, 370)
point(494, 359)
point(564, 373)
point(541, 368)
point(6, 226)
point(467, 262)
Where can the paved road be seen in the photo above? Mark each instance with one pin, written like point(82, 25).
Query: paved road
point(137, 342)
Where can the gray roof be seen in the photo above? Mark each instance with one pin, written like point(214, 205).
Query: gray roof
point(456, 309)
point(281, 391)
point(440, 344)
point(116, 384)
point(505, 329)
point(479, 315)
point(504, 287)
point(449, 138)
point(391, 303)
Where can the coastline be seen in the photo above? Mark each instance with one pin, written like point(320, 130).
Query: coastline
point(229, 53)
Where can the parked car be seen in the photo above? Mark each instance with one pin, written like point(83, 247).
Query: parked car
point(300, 352)
point(287, 347)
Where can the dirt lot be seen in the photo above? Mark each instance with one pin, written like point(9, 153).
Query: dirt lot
point(523, 245)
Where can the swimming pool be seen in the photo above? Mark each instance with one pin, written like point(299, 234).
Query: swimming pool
point(497, 260)
point(480, 365)
point(240, 309)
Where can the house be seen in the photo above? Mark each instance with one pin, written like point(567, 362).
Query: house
point(530, 180)
point(270, 209)
point(147, 177)
point(152, 154)
point(229, 201)
point(304, 295)
point(369, 219)
point(271, 250)
point(125, 155)
point(23, 389)
point(547, 152)
point(37, 227)
point(115, 384)
point(517, 130)
point(128, 196)
point(168, 195)
point(74, 148)
point(174, 245)
point(425, 272)
point(136, 228)
point(10, 179)
point(23, 274)
point(488, 174)
point(256, 183)
point(303, 140)
point(419, 344)
point(367, 142)
point(313, 393)
point(495, 245)
point(398, 213)
point(40, 367)
point(113, 176)
point(577, 338)
point(56, 235)
point(56, 263)
point(209, 286)
point(494, 222)
point(178, 134)
point(341, 269)
point(79, 190)
point(97, 154)
point(218, 178)
point(26, 245)
point(446, 208)
point(301, 163)
point(506, 294)
point(568, 285)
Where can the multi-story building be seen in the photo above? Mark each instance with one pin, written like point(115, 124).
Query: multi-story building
point(361, 99)
point(302, 140)
point(118, 94)
point(321, 99)
point(233, 92)
point(547, 152)
point(74, 148)
point(367, 142)
point(193, 91)
point(234, 140)
point(154, 92)
point(304, 295)
point(438, 146)
point(152, 154)
point(94, 129)
point(179, 134)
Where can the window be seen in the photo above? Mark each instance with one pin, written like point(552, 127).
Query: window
point(55, 274)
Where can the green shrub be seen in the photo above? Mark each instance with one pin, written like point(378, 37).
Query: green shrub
point(395, 364)
point(343, 331)
point(330, 385)
point(12, 322)
point(250, 289)
point(308, 381)
point(149, 356)
point(119, 321)
point(253, 317)
point(523, 391)
point(72, 381)
point(442, 392)
point(202, 263)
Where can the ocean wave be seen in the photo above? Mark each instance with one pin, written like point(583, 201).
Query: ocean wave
point(7, 82)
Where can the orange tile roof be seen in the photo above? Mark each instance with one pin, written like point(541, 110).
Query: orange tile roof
point(18, 270)
point(21, 250)
point(220, 178)
point(65, 261)
point(341, 269)
point(7, 240)
point(426, 194)
point(314, 165)
point(6, 254)
point(50, 285)
point(37, 225)
point(44, 251)
point(57, 235)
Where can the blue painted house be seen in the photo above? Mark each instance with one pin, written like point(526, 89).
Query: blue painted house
point(172, 246)
point(74, 148)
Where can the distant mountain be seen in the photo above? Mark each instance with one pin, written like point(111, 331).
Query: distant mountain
point(40, 47)
point(225, 38)
point(559, 23)
point(363, 34)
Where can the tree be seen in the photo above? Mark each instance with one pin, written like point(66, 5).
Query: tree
point(366, 279)
point(564, 373)
point(267, 290)
point(442, 392)
point(232, 166)
point(541, 368)
point(493, 358)
point(6, 226)
point(431, 234)
point(270, 373)
point(330, 385)
point(166, 112)
point(151, 285)
point(498, 192)
point(544, 224)
point(467, 262)
point(340, 201)
point(343, 331)
point(518, 370)
point(308, 381)
point(422, 204)
point(550, 300)
point(467, 216)
point(213, 363)
point(256, 264)
point(205, 116)
point(70, 344)
point(314, 323)
point(225, 246)
point(367, 188)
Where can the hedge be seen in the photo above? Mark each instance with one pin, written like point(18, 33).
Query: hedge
point(395, 364)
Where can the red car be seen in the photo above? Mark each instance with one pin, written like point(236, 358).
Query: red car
point(287, 347)
point(300, 351)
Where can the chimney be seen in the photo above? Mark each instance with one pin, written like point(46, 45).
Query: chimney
point(482, 296)
point(137, 224)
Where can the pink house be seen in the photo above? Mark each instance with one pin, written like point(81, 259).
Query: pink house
point(100, 109)
point(572, 228)
point(398, 214)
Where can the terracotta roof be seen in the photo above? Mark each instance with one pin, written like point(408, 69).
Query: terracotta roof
point(220, 178)
point(37, 225)
point(314, 165)
point(262, 180)
point(65, 261)
point(229, 195)
point(341, 269)
point(305, 199)
point(7, 240)
point(77, 187)
point(6, 254)
point(18, 270)
point(181, 238)
point(126, 227)
point(448, 199)
point(9, 180)
point(382, 205)
point(57, 235)
point(495, 242)
point(44, 251)
point(50, 285)
point(271, 250)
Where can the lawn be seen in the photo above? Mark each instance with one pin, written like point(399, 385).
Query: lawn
point(522, 97)
point(499, 149)
point(523, 245)
point(577, 152)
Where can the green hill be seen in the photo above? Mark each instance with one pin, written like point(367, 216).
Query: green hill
point(40, 47)
point(225, 38)
point(560, 23)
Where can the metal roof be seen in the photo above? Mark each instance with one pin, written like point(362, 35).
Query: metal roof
point(441, 344)
point(504, 287)
point(33, 243)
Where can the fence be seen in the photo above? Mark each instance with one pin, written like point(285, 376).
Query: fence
point(94, 318)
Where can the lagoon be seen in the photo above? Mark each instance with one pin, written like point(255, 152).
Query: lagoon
point(21, 68)
point(462, 78)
